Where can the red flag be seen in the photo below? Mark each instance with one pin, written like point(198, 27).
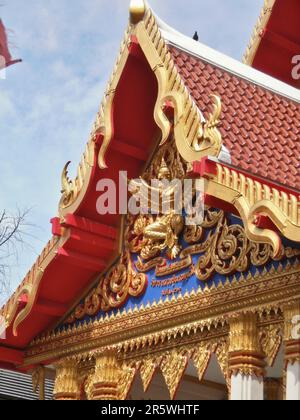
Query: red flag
point(5, 57)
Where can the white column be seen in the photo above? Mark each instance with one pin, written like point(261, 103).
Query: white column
point(293, 382)
point(246, 388)
point(292, 350)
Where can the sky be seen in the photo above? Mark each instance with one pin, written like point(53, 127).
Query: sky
point(49, 102)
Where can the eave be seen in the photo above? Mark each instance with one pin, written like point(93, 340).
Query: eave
point(276, 40)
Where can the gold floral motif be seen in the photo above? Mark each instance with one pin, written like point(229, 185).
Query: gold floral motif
point(127, 379)
point(173, 368)
point(120, 283)
point(222, 354)
point(201, 358)
point(225, 250)
point(271, 340)
point(148, 368)
point(193, 234)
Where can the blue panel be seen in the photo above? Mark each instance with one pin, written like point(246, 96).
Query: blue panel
point(154, 294)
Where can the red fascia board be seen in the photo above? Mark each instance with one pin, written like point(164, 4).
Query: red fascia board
point(89, 226)
point(11, 356)
point(281, 41)
point(43, 306)
point(82, 261)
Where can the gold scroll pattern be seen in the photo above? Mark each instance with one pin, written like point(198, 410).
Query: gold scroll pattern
point(114, 288)
point(222, 248)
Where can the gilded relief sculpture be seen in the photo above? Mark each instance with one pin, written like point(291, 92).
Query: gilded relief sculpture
point(163, 231)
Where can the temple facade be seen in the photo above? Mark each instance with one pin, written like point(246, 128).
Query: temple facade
point(150, 306)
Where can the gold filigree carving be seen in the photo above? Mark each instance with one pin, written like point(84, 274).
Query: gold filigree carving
point(148, 368)
point(271, 340)
point(114, 288)
point(107, 378)
point(261, 291)
point(222, 354)
point(67, 385)
point(252, 198)
point(38, 381)
point(173, 368)
point(201, 357)
point(167, 270)
point(160, 232)
point(225, 248)
point(127, 378)
point(246, 356)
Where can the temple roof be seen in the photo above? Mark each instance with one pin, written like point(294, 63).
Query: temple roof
point(260, 122)
point(159, 71)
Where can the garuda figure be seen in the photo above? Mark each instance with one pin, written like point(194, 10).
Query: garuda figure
point(160, 232)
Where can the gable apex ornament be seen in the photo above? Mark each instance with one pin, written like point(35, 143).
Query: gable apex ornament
point(137, 11)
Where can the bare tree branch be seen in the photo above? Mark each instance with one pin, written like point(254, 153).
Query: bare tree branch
point(13, 231)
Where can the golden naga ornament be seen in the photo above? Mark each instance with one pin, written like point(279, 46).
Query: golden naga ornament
point(209, 134)
point(67, 187)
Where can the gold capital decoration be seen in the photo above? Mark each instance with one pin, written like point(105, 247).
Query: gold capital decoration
point(246, 356)
point(67, 387)
point(107, 378)
point(137, 11)
point(291, 332)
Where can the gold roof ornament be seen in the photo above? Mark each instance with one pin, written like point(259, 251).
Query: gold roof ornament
point(137, 11)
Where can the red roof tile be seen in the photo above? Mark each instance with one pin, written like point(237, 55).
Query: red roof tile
point(260, 128)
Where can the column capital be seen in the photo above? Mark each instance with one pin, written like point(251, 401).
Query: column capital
point(67, 385)
point(245, 353)
point(106, 379)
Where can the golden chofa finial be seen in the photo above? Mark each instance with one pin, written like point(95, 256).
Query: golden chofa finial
point(137, 11)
